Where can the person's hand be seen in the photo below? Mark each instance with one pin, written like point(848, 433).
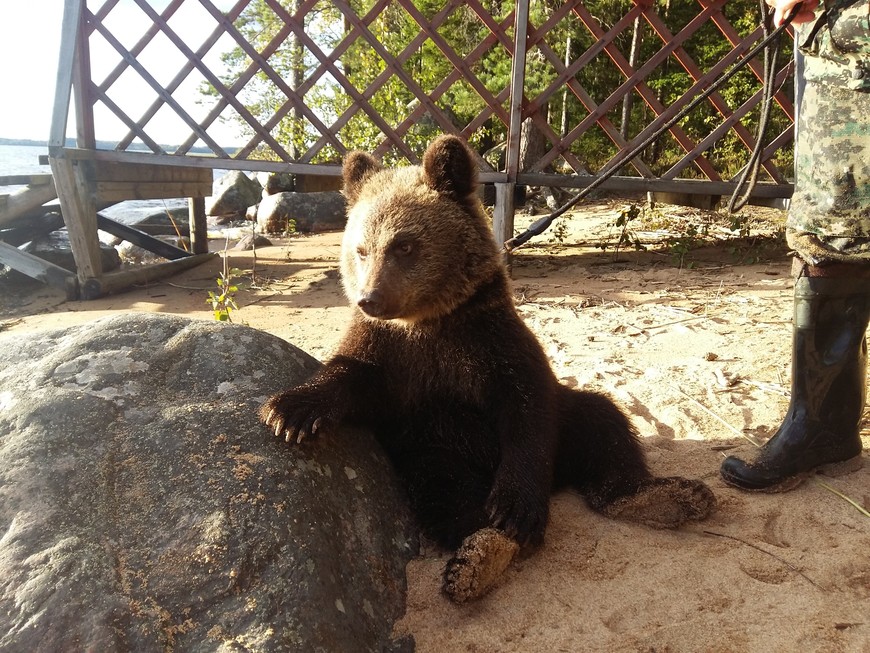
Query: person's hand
point(784, 8)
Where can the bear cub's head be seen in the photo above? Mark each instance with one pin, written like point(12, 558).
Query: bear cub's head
point(417, 244)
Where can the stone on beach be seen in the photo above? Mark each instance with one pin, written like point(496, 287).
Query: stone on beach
point(145, 508)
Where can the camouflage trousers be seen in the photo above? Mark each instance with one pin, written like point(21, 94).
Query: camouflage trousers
point(829, 219)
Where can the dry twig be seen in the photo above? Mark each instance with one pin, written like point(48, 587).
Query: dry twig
point(772, 555)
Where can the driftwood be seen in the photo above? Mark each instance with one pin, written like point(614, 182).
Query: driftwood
point(39, 269)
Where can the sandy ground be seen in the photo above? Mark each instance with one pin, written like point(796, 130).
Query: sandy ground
point(699, 356)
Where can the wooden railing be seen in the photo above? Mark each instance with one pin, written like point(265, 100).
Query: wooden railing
point(114, 72)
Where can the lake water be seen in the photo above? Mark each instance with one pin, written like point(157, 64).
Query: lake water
point(24, 160)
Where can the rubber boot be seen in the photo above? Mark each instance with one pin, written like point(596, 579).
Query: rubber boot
point(820, 431)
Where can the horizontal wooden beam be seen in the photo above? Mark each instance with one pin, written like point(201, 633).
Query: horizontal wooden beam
point(640, 184)
point(148, 172)
point(17, 204)
point(140, 239)
point(124, 279)
point(39, 269)
point(25, 180)
point(117, 191)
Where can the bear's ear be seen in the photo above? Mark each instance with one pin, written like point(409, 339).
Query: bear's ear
point(357, 168)
point(449, 167)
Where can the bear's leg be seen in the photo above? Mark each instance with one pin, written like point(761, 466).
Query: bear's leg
point(599, 455)
point(663, 503)
point(478, 564)
point(448, 494)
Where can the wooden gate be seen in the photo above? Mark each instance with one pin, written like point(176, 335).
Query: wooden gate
point(301, 81)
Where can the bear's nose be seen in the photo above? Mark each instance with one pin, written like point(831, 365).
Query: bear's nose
point(371, 303)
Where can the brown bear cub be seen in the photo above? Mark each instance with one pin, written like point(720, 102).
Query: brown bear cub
point(438, 364)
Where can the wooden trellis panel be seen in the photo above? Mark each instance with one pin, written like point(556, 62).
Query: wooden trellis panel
point(353, 55)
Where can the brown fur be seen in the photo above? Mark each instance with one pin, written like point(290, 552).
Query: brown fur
point(437, 362)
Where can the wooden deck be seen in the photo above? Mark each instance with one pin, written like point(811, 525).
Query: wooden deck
point(92, 185)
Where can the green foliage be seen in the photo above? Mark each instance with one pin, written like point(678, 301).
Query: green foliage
point(394, 93)
point(223, 301)
point(680, 245)
point(625, 223)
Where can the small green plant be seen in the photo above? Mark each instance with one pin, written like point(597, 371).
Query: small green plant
point(560, 233)
point(740, 223)
point(223, 302)
point(627, 236)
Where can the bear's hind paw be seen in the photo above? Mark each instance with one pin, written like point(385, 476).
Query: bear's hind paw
point(478, 564)
point(665, 503)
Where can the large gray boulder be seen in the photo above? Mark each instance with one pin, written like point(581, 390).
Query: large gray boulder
point(307, 212)
point(232, 194)
point(144, 508)
point(55, 248)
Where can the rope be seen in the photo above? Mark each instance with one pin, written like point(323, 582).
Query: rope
point(541, 225)
point(749, 175)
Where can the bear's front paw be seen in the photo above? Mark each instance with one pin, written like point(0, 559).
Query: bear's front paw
point(478, 564)
point(665, 503)
point(296, 414)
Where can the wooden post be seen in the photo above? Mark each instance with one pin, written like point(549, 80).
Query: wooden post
point(198, 226)
point(518, 77)
point(503, 213)
point(72, 14)
point(74, 189)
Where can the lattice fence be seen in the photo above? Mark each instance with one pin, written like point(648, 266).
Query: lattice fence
point(295, 83)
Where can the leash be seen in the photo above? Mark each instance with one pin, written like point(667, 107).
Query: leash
point(750, 171)
point(749, 175)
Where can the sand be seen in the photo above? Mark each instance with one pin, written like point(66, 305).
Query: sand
point(700, 358)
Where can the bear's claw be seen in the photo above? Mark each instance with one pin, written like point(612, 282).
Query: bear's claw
point(294, 414)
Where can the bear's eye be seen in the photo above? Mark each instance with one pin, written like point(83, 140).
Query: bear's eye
point(403, 248)
point(361, 253)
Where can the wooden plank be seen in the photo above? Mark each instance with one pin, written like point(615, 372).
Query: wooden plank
point(124, 279)
point(17, 204)
point(140, 239)
point(197, 161)
point(635, 184)
point(117, 191)
point(39, 269)
point(25, 180)
point(80, 216)
point(123, 171)
point(82, 95)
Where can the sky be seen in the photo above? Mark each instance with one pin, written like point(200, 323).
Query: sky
point(30, 36)
point(29, 41)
